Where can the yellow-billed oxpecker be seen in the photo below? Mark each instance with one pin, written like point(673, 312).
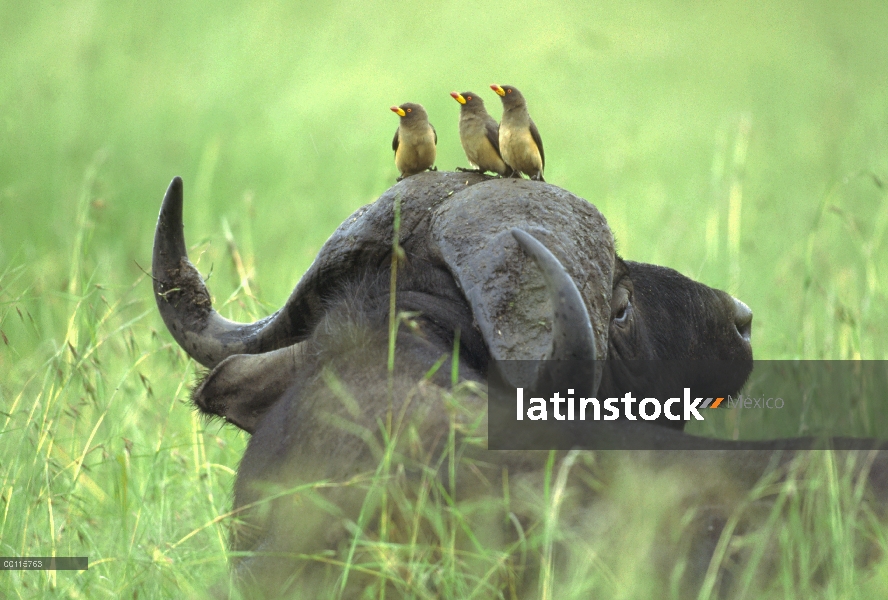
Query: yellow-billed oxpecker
point(479, 134)
point(415, 140)
point(519, 140)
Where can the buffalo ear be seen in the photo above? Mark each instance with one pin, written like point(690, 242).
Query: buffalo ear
point(243, 387)
point(505, 288)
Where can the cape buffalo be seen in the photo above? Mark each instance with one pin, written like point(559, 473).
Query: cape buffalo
point(351, 442)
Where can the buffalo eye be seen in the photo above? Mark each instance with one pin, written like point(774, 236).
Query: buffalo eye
point(621, 306)
point(622, 317)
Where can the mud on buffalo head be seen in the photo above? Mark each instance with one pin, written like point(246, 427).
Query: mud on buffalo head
point(490, 269)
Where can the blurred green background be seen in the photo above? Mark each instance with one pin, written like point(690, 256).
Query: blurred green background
point(744, 144)
point(656, 112)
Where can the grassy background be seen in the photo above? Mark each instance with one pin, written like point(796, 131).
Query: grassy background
point(744, 145)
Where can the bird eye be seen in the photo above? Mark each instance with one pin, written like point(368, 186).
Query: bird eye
point(508, 91)
point(409, 110)
point(468, 97)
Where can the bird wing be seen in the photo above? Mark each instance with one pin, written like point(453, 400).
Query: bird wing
point(491, 127)
point(535, 134)
point(435, 133)
point(395, 141)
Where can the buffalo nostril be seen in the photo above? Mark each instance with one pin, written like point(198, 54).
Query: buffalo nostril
point(743, 319)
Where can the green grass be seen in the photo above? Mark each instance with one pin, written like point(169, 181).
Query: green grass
point(744, 145)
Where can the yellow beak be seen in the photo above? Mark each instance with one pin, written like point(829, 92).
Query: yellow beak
point(399, 110)
point(498, 89)
point(458, 97)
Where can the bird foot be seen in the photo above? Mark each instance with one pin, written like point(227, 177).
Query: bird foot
point(464, 170)
point(433, 168)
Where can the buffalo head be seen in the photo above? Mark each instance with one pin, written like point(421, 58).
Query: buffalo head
point(457, 226)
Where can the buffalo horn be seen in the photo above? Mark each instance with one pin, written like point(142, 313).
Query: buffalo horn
point(573, 340)
point(185, 305)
